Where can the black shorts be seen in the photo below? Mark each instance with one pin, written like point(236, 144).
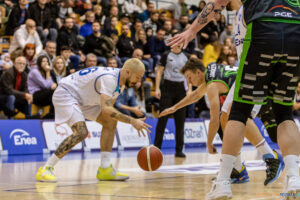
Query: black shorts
point(269, 65)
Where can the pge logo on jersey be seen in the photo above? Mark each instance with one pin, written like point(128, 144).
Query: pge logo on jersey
point(22, 137)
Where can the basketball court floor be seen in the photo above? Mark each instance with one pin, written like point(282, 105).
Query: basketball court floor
point(177, 178)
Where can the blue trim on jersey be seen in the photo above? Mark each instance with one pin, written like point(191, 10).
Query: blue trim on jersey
point(100, 77)
point(118, 88)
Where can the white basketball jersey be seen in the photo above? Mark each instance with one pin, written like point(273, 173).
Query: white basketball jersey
point(86, 85)
point(240, 30)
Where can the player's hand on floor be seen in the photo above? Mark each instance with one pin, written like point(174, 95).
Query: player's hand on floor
point(140, 126)
point(167, 111)
point(211, 149)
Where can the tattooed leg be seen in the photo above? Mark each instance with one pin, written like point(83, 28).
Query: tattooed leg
point(80, 132)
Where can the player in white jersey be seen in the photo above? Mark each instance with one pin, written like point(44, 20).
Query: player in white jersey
point(90, 94)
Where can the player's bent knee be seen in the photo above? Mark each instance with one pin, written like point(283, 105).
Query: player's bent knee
point(282, 113)
point(240, 112)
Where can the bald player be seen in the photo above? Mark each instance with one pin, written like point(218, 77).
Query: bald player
point(90, 94)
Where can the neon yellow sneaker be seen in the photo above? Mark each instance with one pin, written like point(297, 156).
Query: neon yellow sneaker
point(45, 174)
point(110, 174)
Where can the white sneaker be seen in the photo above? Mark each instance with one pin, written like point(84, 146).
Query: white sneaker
point(220, 190)
point(291, 188)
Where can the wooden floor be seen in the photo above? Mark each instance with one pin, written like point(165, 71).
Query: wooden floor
point(188, 178)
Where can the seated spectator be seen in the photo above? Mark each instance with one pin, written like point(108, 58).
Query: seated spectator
point(76, 22)
point(66, 9)
point(141, 97)
point(141, 43)
point(149, 32)
point(137, 25)
point(5, 63)
point(59, 69)
point(40, 12)
point(146, 14)
point(296, 106)
point(112, 62)
point(152, 22)
point(86, 29)
point(142, 4)
point(211, 51)
point(178, 9)
point(113, 12)
point(157, 45)
point(124, 20)
point(163, 16)
point(13, 87)
point(41, 85)
point(112, 29)
point(167, 26)
point(50, 51)
point(227, 33)
point(98, 44)
point(91, 60)
point(126, 104)
point(66, 52)
point(99, 16)
point(18, 15)
point(231, 60)
point(26, 34)
point(130, 7)
point(125, 45)
point(29, 54)
point(181, 24)
point(139, 54)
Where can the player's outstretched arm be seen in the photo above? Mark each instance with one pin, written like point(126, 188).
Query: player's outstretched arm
point(206, 15)
point(110, 111)
point(187, 100)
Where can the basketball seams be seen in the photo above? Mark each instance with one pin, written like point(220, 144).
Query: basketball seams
point(149, 158)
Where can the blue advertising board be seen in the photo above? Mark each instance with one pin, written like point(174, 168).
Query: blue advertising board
point(22, 136)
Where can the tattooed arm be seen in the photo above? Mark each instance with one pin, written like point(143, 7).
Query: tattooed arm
point(109, 111)
point(207, 14)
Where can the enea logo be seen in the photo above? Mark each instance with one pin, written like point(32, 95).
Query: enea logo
point(168, 135)
point(22, 137)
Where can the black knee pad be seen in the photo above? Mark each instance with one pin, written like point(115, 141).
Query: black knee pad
point(282, 113)
point(240, 112)
point(272, 131)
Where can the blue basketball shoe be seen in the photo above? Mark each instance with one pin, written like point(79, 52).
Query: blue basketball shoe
point(275, 166)
point(239, 176)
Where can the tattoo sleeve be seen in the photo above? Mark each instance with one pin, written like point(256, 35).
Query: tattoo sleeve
point(120, 117)
point(207, 10)
point(80, 132)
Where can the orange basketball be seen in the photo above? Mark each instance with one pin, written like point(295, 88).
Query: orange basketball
point(150, 158)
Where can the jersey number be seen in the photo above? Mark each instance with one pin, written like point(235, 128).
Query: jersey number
point(87, 71)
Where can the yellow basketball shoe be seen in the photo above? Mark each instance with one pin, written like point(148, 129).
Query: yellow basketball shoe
point(45, 174)
point(110, 174)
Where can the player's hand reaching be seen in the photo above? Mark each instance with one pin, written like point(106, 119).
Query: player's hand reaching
point(211, 149)
point(167, 111)
point(182, 39)
point(140, 126)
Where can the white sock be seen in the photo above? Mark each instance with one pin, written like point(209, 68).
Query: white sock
point(51, 162)
point(264, 148)
point(105, 159)
point(291, 165)
point(238, 163)
point(226, 165)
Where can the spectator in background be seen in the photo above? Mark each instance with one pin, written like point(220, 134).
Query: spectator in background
point(99, 16)
point(163, 16)
point(65, 9)
point(168, 28)
point(211, 51)
point(181, 24)
point(112, 62)
point(130, 6)
point(152, 21)
point(149, 32)
point(76, 22)
point(13, 87)
point(41, 14)
point(171, 92)
point(86, 29)
point(112, 29)
point(41, 85)
point(141, 43)
point(157, 45)
point(225, 52)
point(18, 15)
point(29, 54)
point(66, 52)
point(231, 60)
point(220, 25)
point(146, 14)
point(227, 33)
point(125, 44)
point(50, 51)
point(142, 4)
point(139, 54)
point(98, 44)
point(91, 60)
point(124, 20)
point(137, 25)
point(114, 12)
point(26, 34)
point(59, 69)
point(197, 10)
point(5, 63)
point(228, 42)
point(178, 9)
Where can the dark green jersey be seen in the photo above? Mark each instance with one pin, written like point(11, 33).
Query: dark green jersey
point(275, 10)
point(220, 73)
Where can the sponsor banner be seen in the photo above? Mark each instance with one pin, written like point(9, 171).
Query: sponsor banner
point(129, 137)
point(22, 136)
point(217, 139)
point(194, 132)
point(169, 135)
point(1, 147)
point(55, 134)
point(93, 139)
